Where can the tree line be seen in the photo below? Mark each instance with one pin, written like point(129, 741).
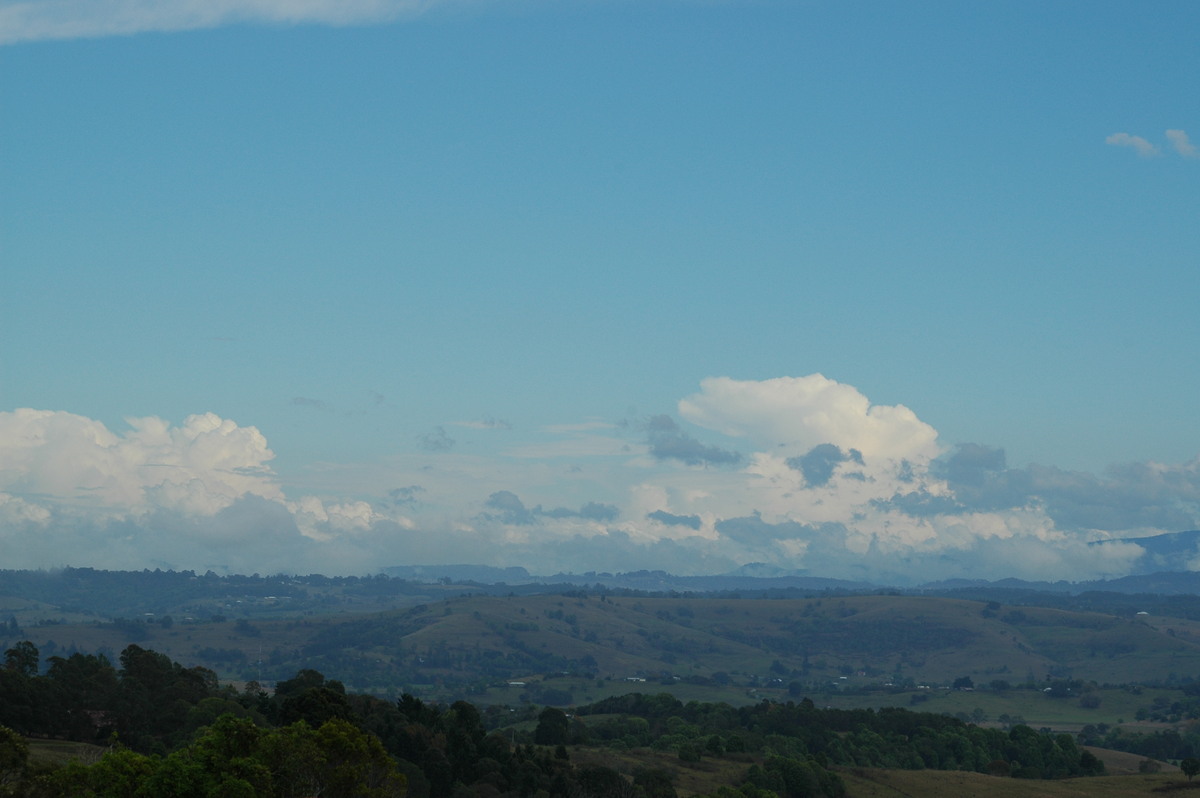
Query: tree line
point(173, 730)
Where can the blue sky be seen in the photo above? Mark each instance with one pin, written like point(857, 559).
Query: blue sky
point(483, 251)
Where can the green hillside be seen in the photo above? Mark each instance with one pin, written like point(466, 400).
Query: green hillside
point(473, 643)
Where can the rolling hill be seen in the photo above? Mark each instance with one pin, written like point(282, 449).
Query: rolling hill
point(474, 641)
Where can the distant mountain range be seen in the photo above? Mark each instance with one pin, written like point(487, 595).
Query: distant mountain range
point(648, 581)
point(1161, 570)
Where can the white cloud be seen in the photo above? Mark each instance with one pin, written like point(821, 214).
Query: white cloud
point(1182, 144)
point(327, 520)
point(851, 523)
point(794, 414)
point(891, 508)
point(195, 495)
point(1143, 147)
point(828, 483)
point(33, 20)
point(72, 461)
point(16, 511)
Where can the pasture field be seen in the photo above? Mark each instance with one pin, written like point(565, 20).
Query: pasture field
point(708, 775)
point(867, 783)
point(578, 648)
point(59, 752)
point(1030, 706)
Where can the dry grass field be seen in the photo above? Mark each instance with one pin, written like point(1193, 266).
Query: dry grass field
point(705, 777)
point(957, 784)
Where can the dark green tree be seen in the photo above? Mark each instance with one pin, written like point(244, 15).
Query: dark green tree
point(14, 758)
point(654, 783)
point(22, 658)
point(552, 728)
point(603, 782)
point(120, 772)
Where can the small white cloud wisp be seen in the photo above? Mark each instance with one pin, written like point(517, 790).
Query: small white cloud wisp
point(1176, 138)
point(37, 20)
point(1140, 145)
point(1182, 144)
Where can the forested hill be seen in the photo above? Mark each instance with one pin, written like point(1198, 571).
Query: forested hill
point(172, 730)
point(88, 593)
point(93, 593)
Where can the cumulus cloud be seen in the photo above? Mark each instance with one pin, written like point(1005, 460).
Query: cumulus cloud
point(670, 519)
point(971, 463)
point(840, 487)
point(201, 466)
point(821, 482)
point(1182, 144)
point(325, 520)
point(32, 20)
point(965, 546)
point(195, 495)
point(1136, 498)
point(819, 463)
point(799, 413)
point(238, 538)
point(1140, 145)
point(668, 442)
point(511, 510)
point(1051, 517)
point(592, 511)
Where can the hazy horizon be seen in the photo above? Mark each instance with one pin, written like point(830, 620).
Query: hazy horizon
point(875, 292)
